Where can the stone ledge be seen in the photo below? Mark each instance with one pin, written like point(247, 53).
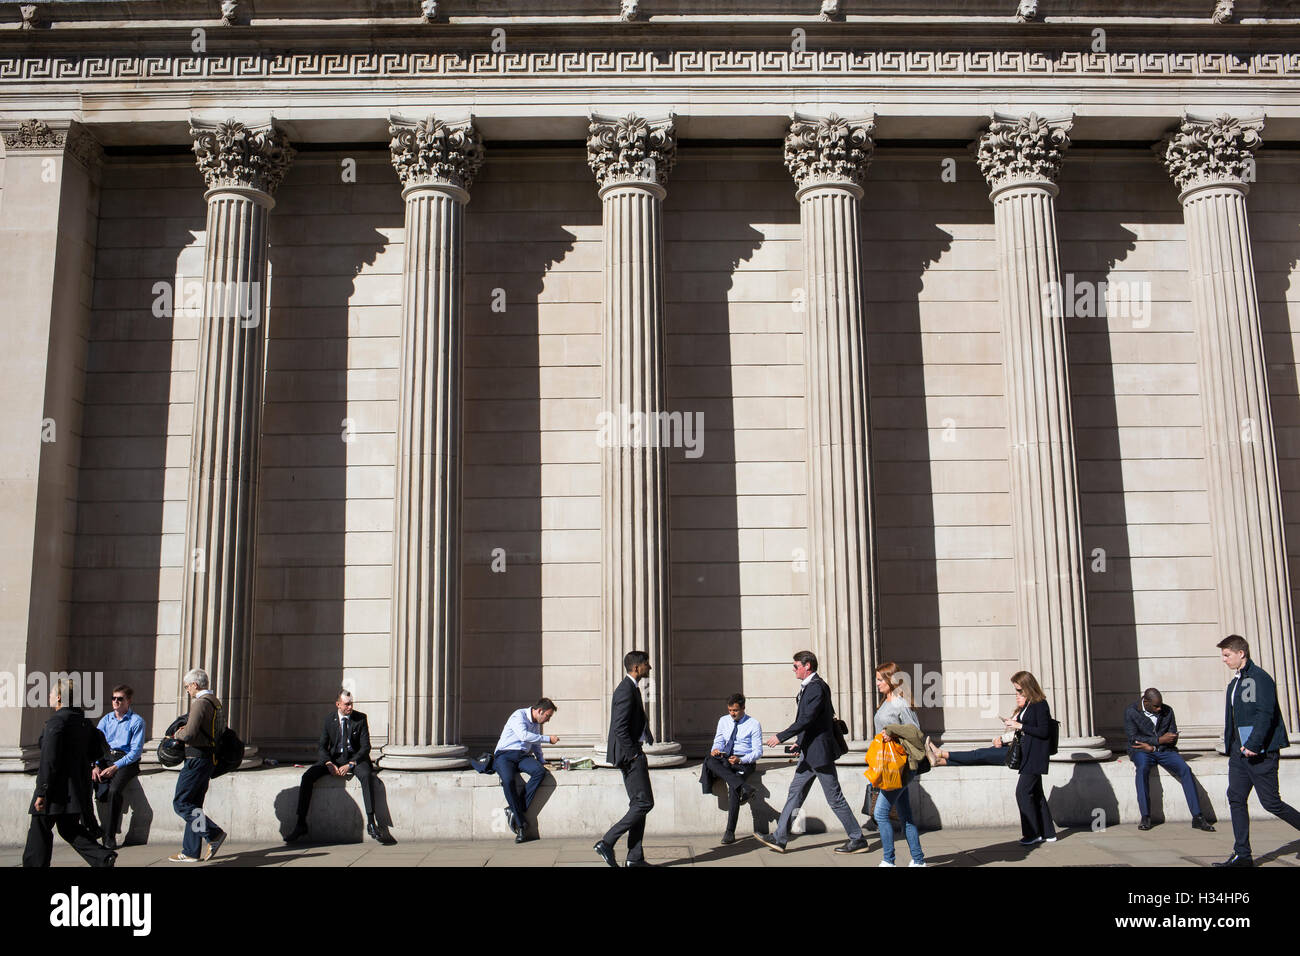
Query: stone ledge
point(259, 805)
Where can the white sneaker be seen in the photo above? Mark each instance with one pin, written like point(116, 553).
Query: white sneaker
point(1049, 840)
point(884, 863)
point(182, 858)
point(914, 863)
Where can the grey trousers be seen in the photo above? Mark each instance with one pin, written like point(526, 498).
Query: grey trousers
point(799, 787)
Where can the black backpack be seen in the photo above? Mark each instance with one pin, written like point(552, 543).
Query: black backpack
point(227, 748)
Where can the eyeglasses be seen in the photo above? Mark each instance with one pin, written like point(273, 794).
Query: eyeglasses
point(118, 699)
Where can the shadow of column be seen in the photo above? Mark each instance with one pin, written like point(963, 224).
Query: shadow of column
point(706, 589)
point(324, 412)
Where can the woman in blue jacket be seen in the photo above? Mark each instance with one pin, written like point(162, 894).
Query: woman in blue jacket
point(1034, 728)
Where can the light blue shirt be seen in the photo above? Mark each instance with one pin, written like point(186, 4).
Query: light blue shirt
point(749, 737)
point(125, 734)
point(523, 733)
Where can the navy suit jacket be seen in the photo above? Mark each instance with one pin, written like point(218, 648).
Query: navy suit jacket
point(1138, 727)
point(330, 746)
point(814, 723)
point(1252, 701)
point(627, 724)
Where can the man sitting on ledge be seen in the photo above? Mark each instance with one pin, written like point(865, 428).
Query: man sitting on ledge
point(1152, 736)
point(520, 751)
point(737, 745)
point(344, 748)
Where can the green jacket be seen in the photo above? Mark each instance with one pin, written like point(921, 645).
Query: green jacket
point(913, 742)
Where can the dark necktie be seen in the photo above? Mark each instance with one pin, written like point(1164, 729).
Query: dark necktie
point(346, 740)
point(731, 744)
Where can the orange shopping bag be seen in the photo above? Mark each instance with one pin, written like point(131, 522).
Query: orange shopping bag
point(886, 761)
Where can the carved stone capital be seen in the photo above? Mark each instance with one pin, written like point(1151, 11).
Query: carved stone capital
point(631, 149)
point(232, 154)
point(1023, 149)
point(1213, 150)
point(830, 150)
point(432, 152)
point(34, 134)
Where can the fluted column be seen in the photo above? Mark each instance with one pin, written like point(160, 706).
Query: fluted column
point(631, 158)
point(242, 166)
point(1020, 156)
point(1212, 160)
point(436, 163)
point(828, 159)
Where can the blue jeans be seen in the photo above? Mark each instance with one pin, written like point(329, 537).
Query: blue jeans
point(897, 799)
point(509, 764)
point(1172, 761)
point(191, 788)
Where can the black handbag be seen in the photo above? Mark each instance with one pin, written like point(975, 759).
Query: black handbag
point(1014, 758)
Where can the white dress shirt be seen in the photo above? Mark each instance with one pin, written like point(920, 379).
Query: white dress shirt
point(749, 737)
point(522, 733)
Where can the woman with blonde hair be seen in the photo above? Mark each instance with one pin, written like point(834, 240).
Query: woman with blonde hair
point(1034, 728)
point(895, 708)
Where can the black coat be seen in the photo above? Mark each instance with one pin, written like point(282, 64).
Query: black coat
point(1138, 727)
point(814, 722)
point(627, 724)
point(1035, 738)
point(330, 746)
point(69, 744)
point(1254, 705)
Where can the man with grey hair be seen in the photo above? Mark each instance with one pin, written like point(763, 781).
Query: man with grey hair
point(199, 734)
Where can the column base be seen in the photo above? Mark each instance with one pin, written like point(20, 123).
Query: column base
point(430, 757)
point(666, 753)
point(1082, 750)
point(20, 759)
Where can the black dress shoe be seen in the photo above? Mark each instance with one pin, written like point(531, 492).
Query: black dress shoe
point(378, 831)
point(1236, 860)
point(728, 838)
point(1200, 823)
point(110, 861)
point(513, 821)
point(521, 836)
point(296, 834)
point(871, 825)
point(606, 852)
point(110, 843)
point(770, 842)
point(636, 863)
point(853, 846)
point(1144, 823)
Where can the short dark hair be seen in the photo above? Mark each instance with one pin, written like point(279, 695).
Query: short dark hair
point(1234, 642)
point(124, 689)
point(1152, 693)
point(545, 704)
point(632, 658)
point(736, 699)
point(807, 657)
point(344, 692)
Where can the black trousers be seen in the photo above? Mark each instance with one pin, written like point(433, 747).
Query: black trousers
point(109, 799)
point(364, 773)
point(40, 840)
point(1258, 774)
point(723, 770)
point(641, 800)
point(1035, 816)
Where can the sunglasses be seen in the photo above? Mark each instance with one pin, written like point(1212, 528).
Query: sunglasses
point(117, 699)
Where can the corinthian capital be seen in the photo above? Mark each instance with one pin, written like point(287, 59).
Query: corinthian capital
point(232, 154)
point(631, 149)
point(829, 151)
point(1206, 151)
point(430, 152)
point(1023, 149)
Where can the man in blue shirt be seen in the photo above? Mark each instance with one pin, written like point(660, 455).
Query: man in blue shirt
point(123, 728)
point(520, 751)
point(737, 745)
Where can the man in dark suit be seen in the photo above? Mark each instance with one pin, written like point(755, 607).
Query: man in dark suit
point(343, 748)
point(628, 730)
point(1152, 736)
point(70, 744)
point(819, 748)
point(1253, 736)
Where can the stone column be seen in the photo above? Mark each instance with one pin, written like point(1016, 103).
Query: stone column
point(1020, 156)
point(828, 159)
point(1212, 160)
point(436, 163)
point(48, 223)
point(631, 158)
point(242, 166)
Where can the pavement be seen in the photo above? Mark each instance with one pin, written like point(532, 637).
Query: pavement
point(1169, 844)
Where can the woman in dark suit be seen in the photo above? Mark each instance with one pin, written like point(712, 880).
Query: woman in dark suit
point(1034, 728)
